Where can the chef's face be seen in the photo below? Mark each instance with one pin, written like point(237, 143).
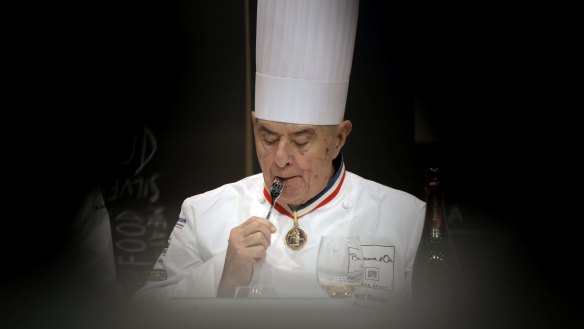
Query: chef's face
point(301, 155)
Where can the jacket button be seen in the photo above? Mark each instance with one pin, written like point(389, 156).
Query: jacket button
point(345, 205)
point(261, 199)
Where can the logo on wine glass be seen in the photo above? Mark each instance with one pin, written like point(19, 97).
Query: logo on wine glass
point(355, 260)
point(379, 267)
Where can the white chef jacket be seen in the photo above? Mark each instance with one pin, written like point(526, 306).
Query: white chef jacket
point(94, 243)
point(388, 221)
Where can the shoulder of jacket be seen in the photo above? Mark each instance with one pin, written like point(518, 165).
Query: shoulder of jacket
point(367, 188)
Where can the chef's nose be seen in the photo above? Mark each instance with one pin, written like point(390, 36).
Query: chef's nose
point(284, 155)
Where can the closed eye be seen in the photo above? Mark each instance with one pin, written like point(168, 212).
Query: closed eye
point(268, 136)
point(300, 143)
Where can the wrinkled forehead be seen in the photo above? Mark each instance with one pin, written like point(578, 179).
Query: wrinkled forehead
point(291, 128)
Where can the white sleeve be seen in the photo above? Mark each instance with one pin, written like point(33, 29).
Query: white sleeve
point(180, 271)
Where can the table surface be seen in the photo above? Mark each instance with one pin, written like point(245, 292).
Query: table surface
point(278, 313)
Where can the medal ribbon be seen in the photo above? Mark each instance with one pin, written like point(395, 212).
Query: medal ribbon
point(321, 199)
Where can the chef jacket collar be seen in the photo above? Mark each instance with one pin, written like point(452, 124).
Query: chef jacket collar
point(322, 198)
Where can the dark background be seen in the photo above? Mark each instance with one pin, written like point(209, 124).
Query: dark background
point(468, 87)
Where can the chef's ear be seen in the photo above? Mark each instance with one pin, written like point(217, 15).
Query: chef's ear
point(342, 131)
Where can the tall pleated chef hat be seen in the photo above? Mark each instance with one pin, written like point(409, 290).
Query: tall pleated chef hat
point(304, 52)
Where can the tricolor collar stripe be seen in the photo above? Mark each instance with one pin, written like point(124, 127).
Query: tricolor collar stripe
point(320, 200)
point(335, 192)
point(324, 198)
point(330, 186)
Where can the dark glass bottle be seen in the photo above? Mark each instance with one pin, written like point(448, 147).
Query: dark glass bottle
point(436, 266)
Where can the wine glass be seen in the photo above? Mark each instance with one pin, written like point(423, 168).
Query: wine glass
point(340, 267)
point(254, 292)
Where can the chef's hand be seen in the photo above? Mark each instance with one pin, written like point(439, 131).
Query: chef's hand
point(247, 245)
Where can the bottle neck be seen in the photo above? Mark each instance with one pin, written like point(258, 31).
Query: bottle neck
point(435, 215)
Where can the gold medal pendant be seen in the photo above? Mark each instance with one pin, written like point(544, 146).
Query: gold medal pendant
point(296, 238)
